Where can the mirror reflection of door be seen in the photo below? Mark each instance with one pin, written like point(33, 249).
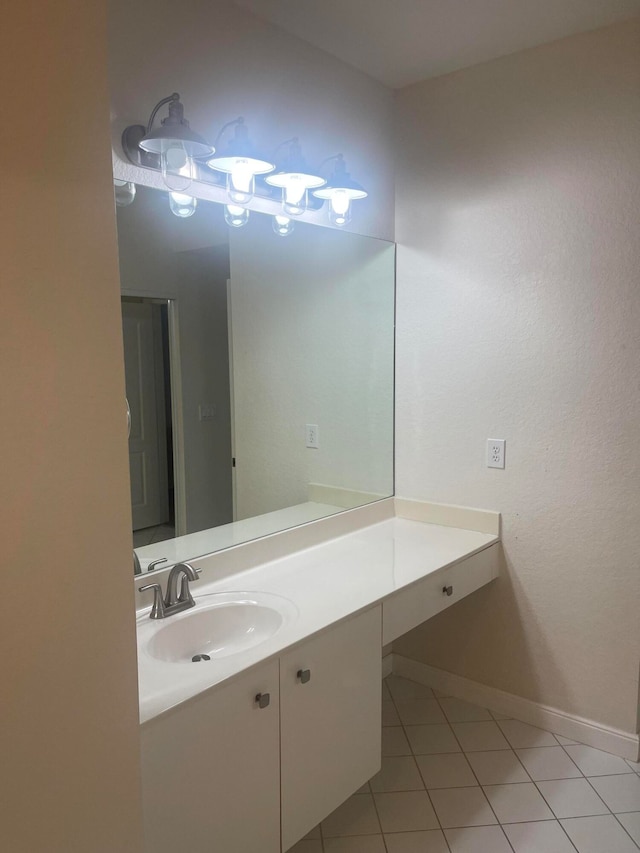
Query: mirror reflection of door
point(147, 376)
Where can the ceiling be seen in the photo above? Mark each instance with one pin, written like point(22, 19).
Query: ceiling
point(399, 42)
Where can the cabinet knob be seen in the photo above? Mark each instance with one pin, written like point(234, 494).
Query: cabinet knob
point(263, 700)
point(447, 590)
point(304, 675)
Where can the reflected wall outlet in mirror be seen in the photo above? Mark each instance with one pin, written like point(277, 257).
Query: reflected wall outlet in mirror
point(207, 411)
point(312, 436)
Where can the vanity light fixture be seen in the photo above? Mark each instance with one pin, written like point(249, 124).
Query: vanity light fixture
point(235, 216)
point(240, 162)
point(172, 145)
point(340, 191)
point(295, 179)
point(183, 206)
point(282, 225)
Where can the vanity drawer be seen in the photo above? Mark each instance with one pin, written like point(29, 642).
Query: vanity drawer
point(422, 600)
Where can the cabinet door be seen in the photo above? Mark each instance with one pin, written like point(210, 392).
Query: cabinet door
point(210, 770)
point(330, 723)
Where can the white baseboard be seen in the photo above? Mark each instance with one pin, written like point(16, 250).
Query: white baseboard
point(624, 744)
point(387, 665)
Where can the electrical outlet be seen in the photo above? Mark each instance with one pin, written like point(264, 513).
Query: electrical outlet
point(495, 452)
point(312, 436)
point(207, 411)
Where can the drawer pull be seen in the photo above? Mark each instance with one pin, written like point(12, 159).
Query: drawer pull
point(263, 700)
point(304, 675)
point(447, 590)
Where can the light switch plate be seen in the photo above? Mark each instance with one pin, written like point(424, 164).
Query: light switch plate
point(312, 436)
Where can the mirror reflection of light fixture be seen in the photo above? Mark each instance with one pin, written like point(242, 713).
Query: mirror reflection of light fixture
point(172, 144)
point(235, 216)
point(295, 179)
point(240, 162)
point(183, 206)
point(340, 191)
point(282, 225)
point(125, 192)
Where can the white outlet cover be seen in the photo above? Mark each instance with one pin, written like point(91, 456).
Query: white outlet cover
point(495, 452)
point(313, 440)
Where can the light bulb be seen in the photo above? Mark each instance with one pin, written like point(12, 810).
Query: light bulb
point(176, 165)
point(125, 193)
point(182, 206)
point(282, 225)
point(236, 216)
point(340, 208)
point(241, 181)
point(294, 196)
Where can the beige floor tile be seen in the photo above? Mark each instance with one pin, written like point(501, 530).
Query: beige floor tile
point(394, 741)
point(595, 762)
point(386, 693)
point(522, 735)
point(515, 803)
point(479, 737)
point(416, 712)
point(620, 793)
point(401, 688)
point(572, 798)
point(542, 837)
point(631, 822)
point(355, 844)
point(462, 807)
point(389, 714)
point(315, 832)
point(432, 739)
point(416, 842)
point(458, 711)
point(565, 741)
point(481, 839)
point(497, 767)
point(356, 816)
point(307, 846)
point(548, 762)
point(398, 773)
point(446, 771)
point(598, 835)
point(405, 811)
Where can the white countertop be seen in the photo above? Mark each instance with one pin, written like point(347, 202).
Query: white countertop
point(325, 583)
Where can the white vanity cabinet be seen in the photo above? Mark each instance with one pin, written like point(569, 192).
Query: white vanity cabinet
point(210, 770)
point(330, 705)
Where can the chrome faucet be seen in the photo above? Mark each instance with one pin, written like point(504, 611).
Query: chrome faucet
point(172, 602)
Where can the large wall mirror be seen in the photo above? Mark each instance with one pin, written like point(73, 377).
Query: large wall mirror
point(259, 374)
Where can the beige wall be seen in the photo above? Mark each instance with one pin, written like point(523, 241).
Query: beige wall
point(226, 62)
point(68, 716)
point(518, 202)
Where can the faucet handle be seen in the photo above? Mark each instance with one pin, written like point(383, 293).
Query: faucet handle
point(157, 611)
point(154, 563)
point(185, 591)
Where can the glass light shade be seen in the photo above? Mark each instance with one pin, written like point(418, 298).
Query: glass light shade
point(241, 172)
point(125, 193)
point(182, 206)
point(236, 216)
point(295, 186)
point(178, 168)
point(340, 198)
point(282, 225)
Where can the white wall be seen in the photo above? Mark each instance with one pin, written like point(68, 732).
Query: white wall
point(69, 762)
point(312, 319)
point(226, 62)
point(518, 202)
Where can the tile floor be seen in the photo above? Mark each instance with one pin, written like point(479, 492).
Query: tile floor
point(150, 535)
point(456, 778)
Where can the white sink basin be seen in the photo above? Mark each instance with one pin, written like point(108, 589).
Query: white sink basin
point(220, 625)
